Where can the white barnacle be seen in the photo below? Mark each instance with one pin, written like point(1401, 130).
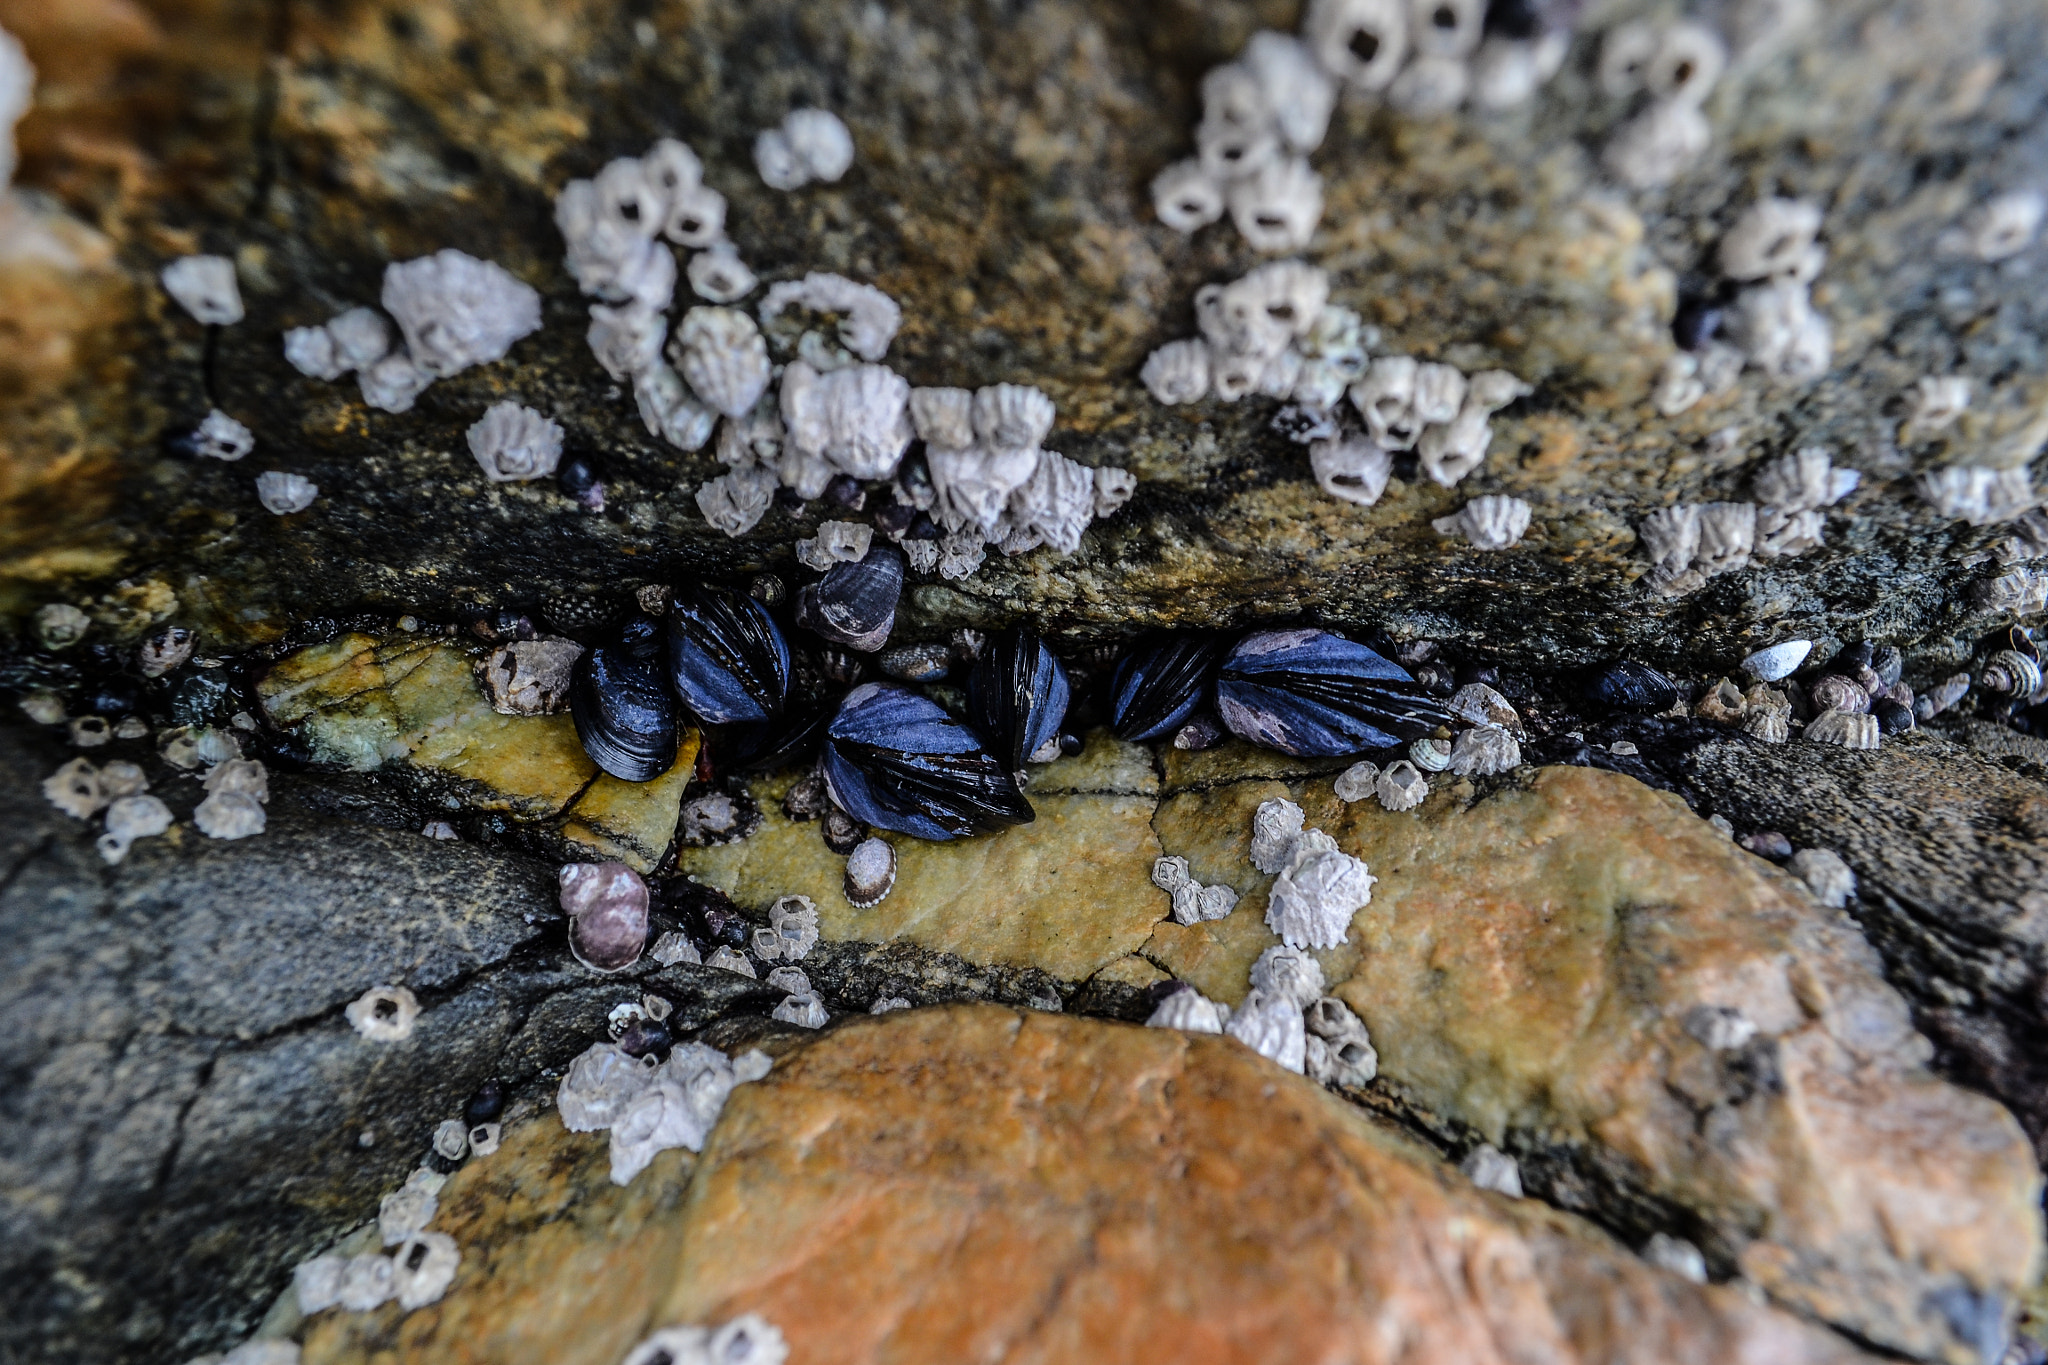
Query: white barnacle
point(360, 337)
point(599, 1085)
point(718, 274)
point(44, 707)
point(974, 485)
point(1491, 390)
point(1177, 372)
point(76, 789)
point(1493, 522)
point(456, 311)
point(1356, 782)
point(869, 318)
point(1508, 71)
point(1349, 1055)
point(673, 947)
point(59, 625)
point(1804, 479)
point(889, 1004)
point(284, 494)
point(229, 815)
point(1450, 451)
point(1727, 536)
point(1333, 358)
point(1351, 468)
point(310, 351)
point(1843, 728)
point(1431, 85)
point(1299, 96)
point(676, 1107)
point(1678, 385)
point(1626, 52)
point(89, 732)
point(1656, 146)
point(1012, 416)
point(1780, 333)
point(1825, 874)
point(130, 818)
point(1689, 59)
point(1781, 534)
point(1385, 398)
point(384, 1014)
point(1227, 149)
point(1446, 28)
point(795, 922)
point(1938, 400)
point(626, 339)
point(1439, 392)
point(2004, 226)
point(856, 419)
point(723, 357)
point(366, 1283)
point(1361, 42)
point(1976, 494)
point(944, 418)
point(222, 438)
point(422, 1269)
point(1280, 299)
point(1278, 206)
point(1186, 197)
point(629, 203)
point(1671, 538)
point(837, 542)
point(810, 144)
point(1402, 786)
point(1772, 237)
point(1272, 1027)
point(1484, 751)
point(1114, 486)
point(393, 383)
point(1054, 506)
point(1478, 704)
point(410, 1207)
point(1287, 971)
point(960, 554)
point(205, 287)
point(513, 443)
point(1312, 902)
point(1492, 1169)
point(1276, 829)
point(530, 677)
point(669, 410)
point(317, 1283)
point(727, 959)
point(1188, 1010)
point(805, 1011)
point(1170, 873)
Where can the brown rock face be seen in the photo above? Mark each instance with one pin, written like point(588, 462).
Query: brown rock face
point(969, 1183)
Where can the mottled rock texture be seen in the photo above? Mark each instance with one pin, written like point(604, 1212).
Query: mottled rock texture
point(975, 1183)
point(998, 192)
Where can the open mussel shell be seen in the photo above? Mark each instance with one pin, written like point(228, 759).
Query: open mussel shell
point(896, 761)
point(1159, 684)
point(726, 656)
point(1316, 694)
point(1017, 696)
point(855, 604)
point(623, 710)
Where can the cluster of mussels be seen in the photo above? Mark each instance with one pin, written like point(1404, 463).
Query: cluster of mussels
point(892, 757)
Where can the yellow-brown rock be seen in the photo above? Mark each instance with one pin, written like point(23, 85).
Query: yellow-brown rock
point(970, 1183)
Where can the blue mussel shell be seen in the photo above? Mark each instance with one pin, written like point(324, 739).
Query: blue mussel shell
point(1158, 685)
point(1315, 694)
point(1017, 695)
point(622, 707)
point(895, 760)
point(726, 657)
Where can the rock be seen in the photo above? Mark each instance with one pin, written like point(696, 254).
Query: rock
point(1952, 885)
point(972, 1183)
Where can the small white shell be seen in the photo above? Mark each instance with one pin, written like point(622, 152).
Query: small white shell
point(1177, 372)
point(1689, 59)
point(1276, 829)
point(1493, 522)
point(1402, 786)
point(512, 443)
point(1770, 238)
point(456, 311)
point(1312, 902)
point(1779, 661)
point(1658, 145)
point(869, 317)
point(1185, 197)
point(1485, 750)
point(1189, 1011)
point(423, 1267)
point(229, 815)
point(1385, 398)
point(205, 287)
point(1356, 782)
point(719, 274)
point(1430, 755)
point(1351, 468)
point(1361, 42)
point(1825, 874)
point(384, 1014)
point(1287, 971)
point(1843, 728)
point(1277, 208)
point(723, 358)
point(1492, 1169)
point(1272, 1027)
point(222, 437)
point(670, 411)
point(393, 383)
point(285, 494)
point(795, 922)
point(1349, 1056)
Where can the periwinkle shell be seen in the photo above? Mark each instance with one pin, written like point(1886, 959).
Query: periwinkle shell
point(726, 657)
point(1316, 694)
point(855, 604)
point(896, 761)
point(1627, 685)
point(1017, 695)
point(1159, 684)
point(620, 701)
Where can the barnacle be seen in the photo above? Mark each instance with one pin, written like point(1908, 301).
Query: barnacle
point(1976, 494)
point(676, 1106)
point(366, 1282)
point(59, 625)
point(1287, 971)
point(222, 437)
point(1385, 398)
point(1277, 207)
point(734, 502)
point(1188, 1010)
point(1671, 538)
point(1351, 468)
point(1446, 28)
point(1803, 480)
point(626, 339)
point(857, 419)
point(1938, 400)
point(393, 383)
point(1849, 730)
point(1402, 786)
point(76, 789)
point(285, 494)
point(599, 1085)
point(811, 144)
point(795, 922)
point(410, 1207)
point(1432, 84)
point(1276, 829)
point(1780, 333)
point(1362, 42)
point(1485, 750)
point(1727, 536)
point(2004, 226)
point(1772, 237)
point(1113, 488)
point(130, 818)
point(1454, 449)
point(805, 1011)
point(1011, 416)
point(723, 357)
point(1228, 150)
point(205, 287)
point(1178, 372)
point(1625, 56)
point(974, 486)
point(1298, 94)
point(310, 351)
point(1349, 1056)
point(1825, 874)
point(1678, 385)
point(317, 1283)
point(513, 443)
point(1656, 146)
point(456, 311)
point(422, 1268)
point(943, 417)
point(1493, 522)
point(1186, 197)
point(1508, 71)
point(1689, 59)
point(1270, 1026)
point(383, 1014)
point(1312, 902)
point(229, 815)
point(530, 677)
point(1492, 1169)
point(670, 410)
point(869, 317)
point(1356, 782)
point(718, 274)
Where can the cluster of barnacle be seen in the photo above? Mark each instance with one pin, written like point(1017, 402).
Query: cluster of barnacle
point(650, 1104)
point(1285, 1017)
point(1978, 495)
point(1670, 69)
point(1692, 542)
point(1265, 112)
point(831, 418)
point(748, 1339)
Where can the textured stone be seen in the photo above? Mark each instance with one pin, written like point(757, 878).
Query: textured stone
point(971, 1183)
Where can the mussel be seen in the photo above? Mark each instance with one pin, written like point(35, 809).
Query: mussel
point(624, 713)
point(896, 761)
point(1627, 685)
point(854, 604)
point(1314, 693)
point(726, 657)
point(1017, 697)
point(1159, 684)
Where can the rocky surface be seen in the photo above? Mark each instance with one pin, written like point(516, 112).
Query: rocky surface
point(975, 1182)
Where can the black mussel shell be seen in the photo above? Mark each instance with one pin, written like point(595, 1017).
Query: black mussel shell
point(855, 604)
point(620, 701)
point(1017, 696)
point(1626, 685)
point(894, 760)
point(845, 492)
point(1160, 683)
point(785, 742)
point(1892, 717)
point(485, 1105)
point(1317, 694)
point(1851, 660)
point(1696, 323)
point(643, 1037)
point(727, 659)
